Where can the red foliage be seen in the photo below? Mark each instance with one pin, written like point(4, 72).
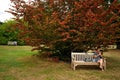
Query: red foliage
point(85, 22)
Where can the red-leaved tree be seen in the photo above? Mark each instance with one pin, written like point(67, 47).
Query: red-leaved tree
point(67, 25)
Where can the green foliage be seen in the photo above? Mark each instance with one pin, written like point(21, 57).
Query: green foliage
point(9, 33)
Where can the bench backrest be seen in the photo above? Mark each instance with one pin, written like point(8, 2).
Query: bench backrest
point(76, 56)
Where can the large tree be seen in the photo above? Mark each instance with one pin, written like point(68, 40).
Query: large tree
point(68, 25)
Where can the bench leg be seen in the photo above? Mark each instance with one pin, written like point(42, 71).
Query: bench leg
point(104, 65)
point(74, 67)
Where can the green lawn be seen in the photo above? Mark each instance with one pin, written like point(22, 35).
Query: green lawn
point(18, 63)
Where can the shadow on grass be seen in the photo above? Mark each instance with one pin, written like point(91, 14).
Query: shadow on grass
point(87, 67)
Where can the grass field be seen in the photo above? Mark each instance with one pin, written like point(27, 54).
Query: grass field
point(17, 63)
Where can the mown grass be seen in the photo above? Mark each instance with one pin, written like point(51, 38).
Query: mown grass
point(18, 63)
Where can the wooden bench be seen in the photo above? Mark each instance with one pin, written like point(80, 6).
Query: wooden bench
point(12, 43)
point(84, 59)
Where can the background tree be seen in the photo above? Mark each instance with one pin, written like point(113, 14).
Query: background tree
point(65, 25)
point(9, 33)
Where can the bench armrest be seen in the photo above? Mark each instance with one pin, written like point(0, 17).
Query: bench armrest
point(73, 58)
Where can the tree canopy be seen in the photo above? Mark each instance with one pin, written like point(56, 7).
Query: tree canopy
point(67, 25)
